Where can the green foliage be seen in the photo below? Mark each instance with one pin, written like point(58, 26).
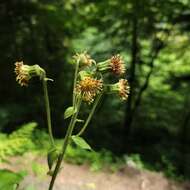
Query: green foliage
point(18, 142)
point(38, 142)
point(169, 168)
point(97, 160)
point(30, 139)
point(39, 170)
point(10, 180)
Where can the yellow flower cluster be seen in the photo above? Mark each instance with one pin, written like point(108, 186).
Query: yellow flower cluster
point(92, 83)
point(90, 76)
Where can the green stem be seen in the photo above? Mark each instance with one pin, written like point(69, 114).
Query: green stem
point(48, 111)
point(75, 81)
point(65, 144)
point(90, 115)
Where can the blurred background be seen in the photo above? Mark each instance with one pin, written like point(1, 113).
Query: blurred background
point(152, 36)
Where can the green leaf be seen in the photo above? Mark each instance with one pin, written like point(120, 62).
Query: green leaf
point(69, 112)
point(52, 157)
point(79, 141)
point(9, 179)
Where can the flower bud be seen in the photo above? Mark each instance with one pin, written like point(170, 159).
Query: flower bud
point(121, 87)
point(25, 72)
point(115, 65)
point(84, 59)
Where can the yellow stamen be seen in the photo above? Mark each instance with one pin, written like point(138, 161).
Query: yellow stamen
point(89, 88)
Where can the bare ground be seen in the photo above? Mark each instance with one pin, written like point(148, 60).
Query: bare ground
point(74, 177)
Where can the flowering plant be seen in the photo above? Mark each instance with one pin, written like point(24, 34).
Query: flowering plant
point(89, 86)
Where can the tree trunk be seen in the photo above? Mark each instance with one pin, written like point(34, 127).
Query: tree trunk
point(134, 53)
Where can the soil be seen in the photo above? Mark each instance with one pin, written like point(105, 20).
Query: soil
point(80, 177)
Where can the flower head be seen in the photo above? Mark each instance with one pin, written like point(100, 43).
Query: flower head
point(25, 72)
point(115, 65)
point(89, 88)
point(124, 89)
point(22, 74)
point(84, 59)
point(121, 87)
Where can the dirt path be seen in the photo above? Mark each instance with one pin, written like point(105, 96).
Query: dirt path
point(74, 177)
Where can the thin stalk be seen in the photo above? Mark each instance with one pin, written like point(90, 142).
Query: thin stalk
point(90, 115)
point(65, 144)
point(48, 111)
point(75, 81)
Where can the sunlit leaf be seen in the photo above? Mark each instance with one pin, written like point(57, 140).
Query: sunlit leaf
point(79, 141)
point(69, 112)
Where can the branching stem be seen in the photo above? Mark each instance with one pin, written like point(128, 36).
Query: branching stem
point(90, 114)
point(65, 144)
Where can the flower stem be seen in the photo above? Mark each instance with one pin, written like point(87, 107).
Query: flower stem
point(75, 81)
point(90, 114)
point(65, 144)
point(48, 111)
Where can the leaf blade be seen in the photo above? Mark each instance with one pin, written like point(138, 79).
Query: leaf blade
point(69, 112)
point(79, 141)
